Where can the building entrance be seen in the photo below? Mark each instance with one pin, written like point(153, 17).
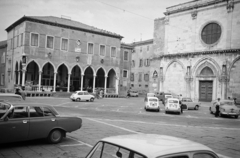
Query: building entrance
point(205, 90)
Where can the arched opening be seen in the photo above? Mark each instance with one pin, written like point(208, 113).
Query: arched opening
point(100, 78)
point(174, 80)
point(62, 78)
point(32, 74)
point(47, 76)
point(75, 79)
point(111, 81)
point(234, 82)
point(16, 73)
point(207, 71)
point(88, 79)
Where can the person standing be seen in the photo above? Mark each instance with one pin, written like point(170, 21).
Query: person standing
point(217, 107)
point(180, 102)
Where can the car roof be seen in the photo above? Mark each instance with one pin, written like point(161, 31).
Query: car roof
point(153, 145)
point(152, 98)
point(173, 99)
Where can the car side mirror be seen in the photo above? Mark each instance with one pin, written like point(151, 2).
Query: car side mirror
point(119, 155)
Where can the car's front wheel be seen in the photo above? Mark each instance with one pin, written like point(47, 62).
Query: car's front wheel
point(236, 116)
point(196, 107)
point(78, 99)
point(55, 136)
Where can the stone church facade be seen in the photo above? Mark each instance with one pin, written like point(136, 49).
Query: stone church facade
point(197, 50)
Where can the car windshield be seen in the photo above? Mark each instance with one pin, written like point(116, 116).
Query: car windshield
point(227, 103)
point(152, 99)
point(168, 96)
point(187, 100)
point(173, 101)
point(150, 94)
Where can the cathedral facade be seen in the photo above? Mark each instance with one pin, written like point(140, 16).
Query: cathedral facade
point(197, 50)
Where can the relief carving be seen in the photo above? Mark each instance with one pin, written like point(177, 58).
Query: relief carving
point(194, 14)
point(230, 5)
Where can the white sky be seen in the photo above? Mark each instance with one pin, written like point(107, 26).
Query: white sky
point(133, 19)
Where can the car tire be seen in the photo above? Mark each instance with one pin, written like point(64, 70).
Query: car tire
point(196, 107)
point(55, 136)
point(166, 112)
point(158, 110)
point(236, 116)
point(92, 99)
point(78, 99)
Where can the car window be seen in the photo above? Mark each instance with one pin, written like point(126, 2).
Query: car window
point(3, 108)
point(178, 156)
point(80, 93)
point(203, 155)
point(18, 112)
point(47, 111)
point(86, 93)
point(97, 152)
point(173, 101)
point(226, 103)
point(36, 112)
point(112, 151)
point(151, 99)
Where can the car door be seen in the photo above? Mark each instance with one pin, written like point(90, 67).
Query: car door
point(42, 121)
point(80, 95)
point(16, 126)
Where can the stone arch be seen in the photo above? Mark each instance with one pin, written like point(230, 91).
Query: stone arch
point(68, 69)
point(174, 78)
point(48, 74)
point(94, 72)
point(39, 67)
point(232, 64)
point(100, 68)
point(202, 63)
point(54, 68)
point(114, 71)
point(173, 61)
point(81, 69)
point(88, 78)
point(100, 77)
point(76, 77)
point(233, 88)
point(62, 77)
point(32, 72)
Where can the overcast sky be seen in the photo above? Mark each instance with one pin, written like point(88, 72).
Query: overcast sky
point(133, 19)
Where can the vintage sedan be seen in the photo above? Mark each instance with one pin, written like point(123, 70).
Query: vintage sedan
point(28, 122)
point(82, 95)
point(227, 108)
point(187, 103)
point(172, 105)
point(149, 146)
point(151, 103)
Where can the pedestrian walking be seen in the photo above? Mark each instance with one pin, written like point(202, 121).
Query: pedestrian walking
point(217, 107)
point(180, 102)
point(128, 93)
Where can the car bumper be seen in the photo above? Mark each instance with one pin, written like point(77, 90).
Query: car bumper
point(173, 110)
point(229, 114)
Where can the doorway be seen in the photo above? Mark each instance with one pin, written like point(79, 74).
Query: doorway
point(205, 91)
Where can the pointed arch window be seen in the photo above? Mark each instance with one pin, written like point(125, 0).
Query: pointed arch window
point(207, 71)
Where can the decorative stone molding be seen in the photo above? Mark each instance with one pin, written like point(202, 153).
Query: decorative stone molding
point(194, 14)
point(230, 5)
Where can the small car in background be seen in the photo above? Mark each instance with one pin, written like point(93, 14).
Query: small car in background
point(27, 122)
point(82, 96)
point(227, 108)
point(151, 103)
point(187, 103)
point(172, 105)
point(133, 93)
point(149, 146)
point(10, 97)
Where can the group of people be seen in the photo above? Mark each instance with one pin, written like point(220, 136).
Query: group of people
point(99, 93)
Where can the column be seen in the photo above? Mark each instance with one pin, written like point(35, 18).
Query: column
point(117, 82)
point(54, 81)
point(105, 85)
point(19, 72)
point(69, 77)
point(94, 79)
point(23, 77)
point(82, 81)
point(39, 80)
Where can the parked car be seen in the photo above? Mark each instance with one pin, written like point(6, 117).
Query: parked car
point(10, 97)
point(152, 103)
point(172, 105)
point(162, 96)
point(82, 95)
point(133, 93)
point(149, 146)
point(227, 108)
point(187, 103)
point(28, 122)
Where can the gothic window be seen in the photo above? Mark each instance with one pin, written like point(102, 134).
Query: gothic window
point(211, 33)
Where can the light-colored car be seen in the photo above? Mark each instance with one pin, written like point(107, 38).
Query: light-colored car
point(187, 103)
point(227, 108)
point(149, 146)
point(21, 122)
point(151, 103)
point(172, 105)
point(10, 97)
point(82, 95)
point(150, 95)
point(133, 93)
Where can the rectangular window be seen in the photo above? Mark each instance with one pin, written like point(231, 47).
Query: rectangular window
point(125, 73)
point(3, 58)
point(21, 39)
point(140, 63)
point(64, 44)
point(2, 79)
point(132, 77)
point(90, 48)
point(34, 39)
point(140, 77)
point(102, 50)
point(125, 55)
point(50, 42)
point(11, 44)
point(133, 63)
point(18, 41)
point(146, 77)
point(113, 51)
point(147, 48)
